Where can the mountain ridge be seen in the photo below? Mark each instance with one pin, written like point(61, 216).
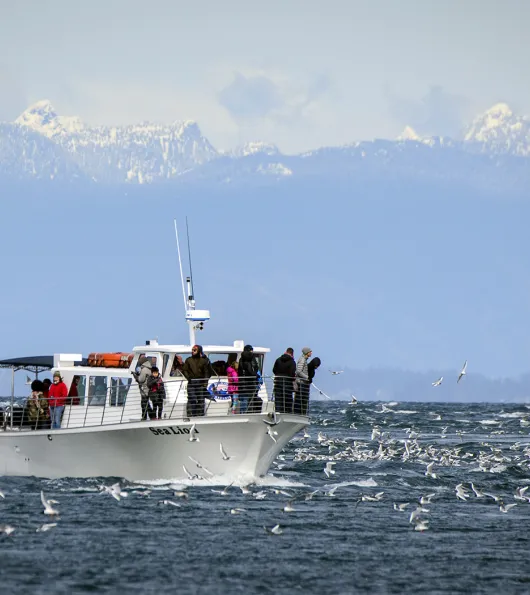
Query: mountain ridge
point(41, 144)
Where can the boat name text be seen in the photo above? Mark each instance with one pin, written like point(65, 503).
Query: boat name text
point(171, 430)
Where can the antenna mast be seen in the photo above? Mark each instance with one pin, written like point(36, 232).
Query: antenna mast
point(194, 318)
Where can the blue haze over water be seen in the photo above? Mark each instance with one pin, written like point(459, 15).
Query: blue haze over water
point(400, 275)
point(330, 544)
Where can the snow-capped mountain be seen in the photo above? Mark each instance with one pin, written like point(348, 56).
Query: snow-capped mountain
point(255, 147)
point(499, 130)
point(138, 153)
point(41, 144)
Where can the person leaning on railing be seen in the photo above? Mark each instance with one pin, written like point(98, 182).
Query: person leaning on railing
point(284, 371)
point(37, 407)
point(57, 398)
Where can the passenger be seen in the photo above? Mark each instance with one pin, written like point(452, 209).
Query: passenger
point(73, 394)
point(284, 371)
point(233, 379)
point(157, 393)
point(301, 402)
point(248, 373)
point(176, 368)
point(57, 399)
point(46, 390)
point(37, 407)
point(141, 377)
point(197, 370)
point(301, 393)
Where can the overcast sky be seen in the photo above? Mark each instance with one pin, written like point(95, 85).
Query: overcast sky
point(298, 73)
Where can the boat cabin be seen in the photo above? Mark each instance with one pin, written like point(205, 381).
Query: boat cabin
point(107, 392)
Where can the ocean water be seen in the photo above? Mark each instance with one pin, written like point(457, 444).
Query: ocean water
point(336, 542)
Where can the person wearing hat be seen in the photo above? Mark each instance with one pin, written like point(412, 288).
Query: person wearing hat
point(301, 397)
point(197, 370)
point(302, 382)
point(144, 363)
point(248, 384)
point(57, 400)
point(37, 407)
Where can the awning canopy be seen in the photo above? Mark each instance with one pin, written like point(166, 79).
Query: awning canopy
point(35, 364)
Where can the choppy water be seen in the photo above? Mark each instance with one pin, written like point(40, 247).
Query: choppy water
point(330, 544)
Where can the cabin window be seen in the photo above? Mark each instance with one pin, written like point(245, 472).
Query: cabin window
point(97, 390)
point(119, 387)
point(165, 360)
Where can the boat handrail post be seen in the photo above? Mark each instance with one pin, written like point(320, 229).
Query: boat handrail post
point(12, 394)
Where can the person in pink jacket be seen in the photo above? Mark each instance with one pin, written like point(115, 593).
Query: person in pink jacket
point(57, 399)
point(233, 380)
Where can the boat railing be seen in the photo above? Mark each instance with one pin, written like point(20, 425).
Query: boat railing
point(123, 405)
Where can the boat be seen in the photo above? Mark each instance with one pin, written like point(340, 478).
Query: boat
point(103, 435)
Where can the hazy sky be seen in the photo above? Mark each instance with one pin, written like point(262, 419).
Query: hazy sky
point(299, 73)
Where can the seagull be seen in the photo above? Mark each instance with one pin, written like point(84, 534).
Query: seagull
point(193, 435)
point(328, 469)
point(331, 492)
point(427, 499)
point(46, 527)
point(309, 495)
point(223, 492)
point(237, 510)
point(223, 453)
point(401, 507)
point(180, 494)
point(283, 493)
point(497, 499)
point(48, 508)
point(416, 512)
point(276, 530)
point(28, 380)
point(7, 529)
point(519, 494)
point(421, 525)
point(462, 371)
point(115, 491)
point(306, 434)
point(245, 490)
point(429, 472)
point(353, 401)
point(2, 495)
point(375, 498)
point(506, 507)
point(288, 507)
point(199, 466)
point(336, 372)
point(260, 495)
point(461, 492)
point(272, 433)
point(477, 492)
point(438, 382)
point(190, 476)
point(170, 503)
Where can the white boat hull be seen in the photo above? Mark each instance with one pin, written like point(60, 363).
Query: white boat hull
point(149, 450)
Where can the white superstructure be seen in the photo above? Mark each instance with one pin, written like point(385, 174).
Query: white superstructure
point(103, 433)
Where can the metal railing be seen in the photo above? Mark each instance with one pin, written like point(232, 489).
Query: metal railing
point(215, 398)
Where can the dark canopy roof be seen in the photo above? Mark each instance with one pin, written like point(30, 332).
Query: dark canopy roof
point(36, 363)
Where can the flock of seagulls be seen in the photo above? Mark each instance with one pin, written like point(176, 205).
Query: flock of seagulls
point(438, 382)
point(462, 373)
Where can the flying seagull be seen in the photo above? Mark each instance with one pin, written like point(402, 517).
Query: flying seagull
point(438, 382)
point(48, 508)
point(336, 372)
point(462, 371)
point(353, 400)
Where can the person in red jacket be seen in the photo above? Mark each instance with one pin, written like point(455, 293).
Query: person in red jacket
point(57, 398)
